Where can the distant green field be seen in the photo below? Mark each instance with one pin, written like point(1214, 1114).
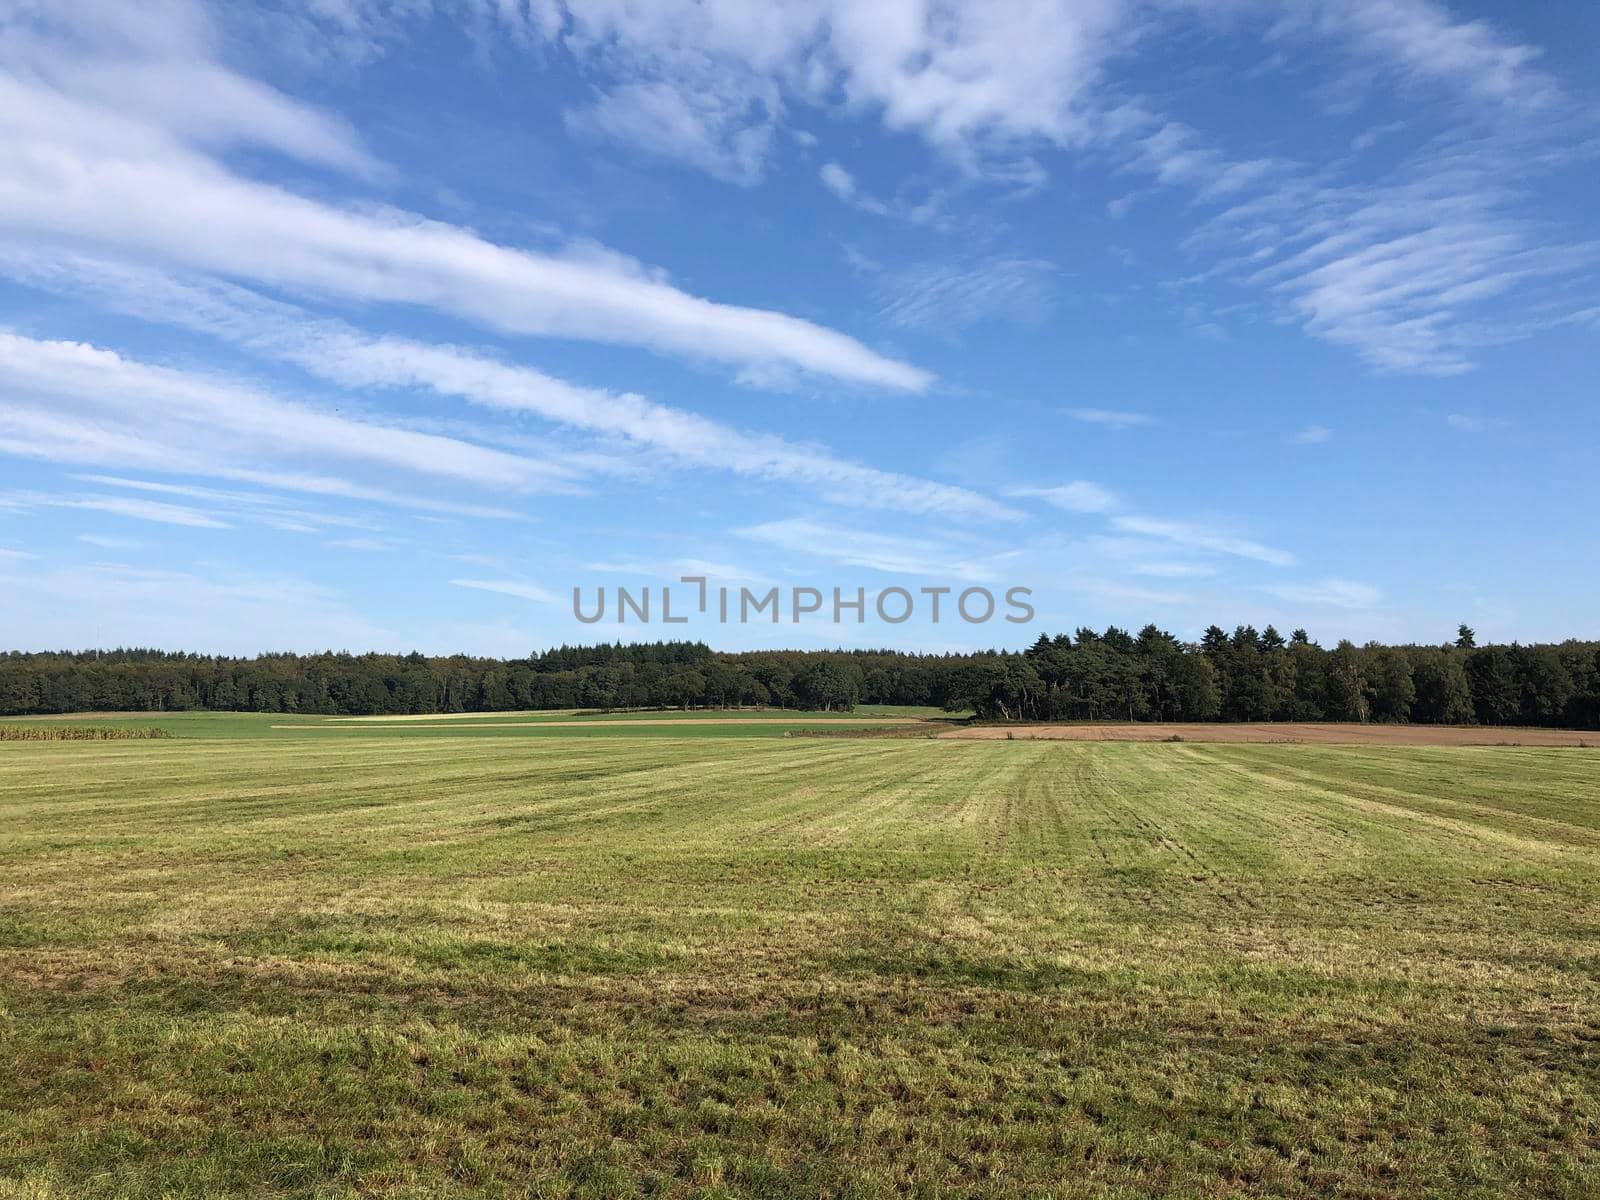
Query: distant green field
point(380, 963)
point(644, 723)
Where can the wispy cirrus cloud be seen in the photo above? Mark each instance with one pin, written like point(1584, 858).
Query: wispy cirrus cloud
point(1401, 273)
point(1079, 496)
point(1396, 270)
point(928, 211)
point(107, 541)
point(347, 357)
point(75, 403)
point(159, 192)
point(953, 294)
point(1142, 532)
point(928, 557)
point(519, 589)
point(843, 185)
point(157, 66)
point(144, 510)
point(1423, 42)
point(274, 509)
point(185, 504)
point(1473, 423)
point(709, 84)
point(161, 512)
point(1151, 557)
point(1205, 538)
point(1178, 156)
point(727, 137)
point(1416, 269)
point(1109, 418)
point(1330, 593)
point(1397, 267)
point(975, 85)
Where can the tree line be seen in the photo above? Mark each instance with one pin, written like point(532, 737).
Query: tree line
point(1246, 675)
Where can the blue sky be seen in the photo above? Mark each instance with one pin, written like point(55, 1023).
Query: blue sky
point(339, 324)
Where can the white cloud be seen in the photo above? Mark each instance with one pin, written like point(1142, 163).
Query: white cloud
point(718, 572)
point(69, 402)
point(954, 294)
point(863, 548)
point(843, 185)
point(1312, 435)
point(155, 64)
point(1403, 271)
point(1150, 557)
point(715, 573)
point(104, 140)
point(1423, 40)
point(349, 358)
point(274, 510)
point(1462, 423)
point(838, 181)
point(110, 542)
point(145, 510)
point(712, 80)
point(78, 165)
point(1114, 593)
point(1330, 593)
point(721, 137)
point(159, 511)
point(1173, 570)
point(1079, 496)
point(1200, 537)
point(686, 437)
point(510, 587)
point(1413, 269)
point(1109, 417)
point(983, 85)
point(1175, 154)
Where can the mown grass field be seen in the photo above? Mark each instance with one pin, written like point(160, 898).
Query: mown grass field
point(564, 723)
point(424, 965)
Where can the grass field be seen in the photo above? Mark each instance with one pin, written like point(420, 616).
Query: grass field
point(382, 962)
point(566, 723)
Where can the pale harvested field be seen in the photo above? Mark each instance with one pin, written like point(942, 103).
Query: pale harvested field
point(413, 722)
point(461, 716)
point(1330, 734)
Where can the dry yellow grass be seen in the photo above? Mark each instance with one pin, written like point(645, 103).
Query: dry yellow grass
point(1273, 732)
point(418, 965)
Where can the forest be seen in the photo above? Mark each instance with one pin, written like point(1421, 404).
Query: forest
point(1246, 675)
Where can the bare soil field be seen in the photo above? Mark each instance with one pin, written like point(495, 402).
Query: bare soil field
point(1323, 734)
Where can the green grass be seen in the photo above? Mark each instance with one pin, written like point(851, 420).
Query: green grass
point(428, 966)
point(761, 723)
point(178, 724)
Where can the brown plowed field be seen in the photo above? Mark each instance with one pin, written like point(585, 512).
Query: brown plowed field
point(1319, 734)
